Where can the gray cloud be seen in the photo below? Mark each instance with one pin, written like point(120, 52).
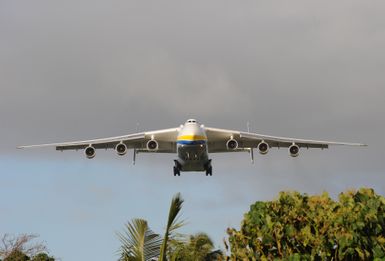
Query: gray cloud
point(83, 69)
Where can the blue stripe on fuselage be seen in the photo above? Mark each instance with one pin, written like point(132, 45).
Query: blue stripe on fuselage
point(191, 142)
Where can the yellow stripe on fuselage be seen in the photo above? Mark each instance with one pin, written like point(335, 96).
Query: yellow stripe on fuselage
point(192, 137)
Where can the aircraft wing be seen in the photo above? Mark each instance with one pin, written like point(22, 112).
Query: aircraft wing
point(165, 138)
point(217, 139)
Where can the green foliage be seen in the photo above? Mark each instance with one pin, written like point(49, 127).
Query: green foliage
point(198, 248)
point(21, 247)
point(302, 227)
point(139, 242)
point(17, 255)
point(172, 224)
point(42, 257)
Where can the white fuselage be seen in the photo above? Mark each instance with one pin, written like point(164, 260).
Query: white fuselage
point(192, 147)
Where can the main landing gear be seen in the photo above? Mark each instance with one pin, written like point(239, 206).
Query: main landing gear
point(176, 171)
point(209, 169)
point(177, 168)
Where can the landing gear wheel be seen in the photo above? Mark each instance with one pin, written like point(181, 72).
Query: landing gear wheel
point(209, 171)
point(208, 168)
point(176, 171)
point(177, 168)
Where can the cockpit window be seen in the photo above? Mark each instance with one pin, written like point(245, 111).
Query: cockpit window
point(191, 121)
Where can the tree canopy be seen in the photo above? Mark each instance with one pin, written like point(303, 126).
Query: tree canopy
point(297, 226)
point(21, 248)
point(140, 243)
point(198, 247)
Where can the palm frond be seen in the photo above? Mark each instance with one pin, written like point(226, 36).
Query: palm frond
point(172, 223)
point(139, 242)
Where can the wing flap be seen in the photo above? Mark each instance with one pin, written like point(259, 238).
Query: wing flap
point(166, 139)
point(100, 143)
point(286, 142)
point(217, 139)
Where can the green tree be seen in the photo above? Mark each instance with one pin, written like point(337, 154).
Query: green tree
point(198, 248)
point(172, 224)
point(17, 255)
point(42, 257)
point(306, 227)
point(22, 247)
point(139, 243)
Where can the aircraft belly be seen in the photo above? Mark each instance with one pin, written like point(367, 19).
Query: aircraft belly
point(192, 157)
point(193, 166)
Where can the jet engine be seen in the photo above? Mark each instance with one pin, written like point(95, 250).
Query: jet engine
point(263, 148)
point(152, 145)
point(232, 144)
point(121, 149)
point(90, 152)
point(294, 150)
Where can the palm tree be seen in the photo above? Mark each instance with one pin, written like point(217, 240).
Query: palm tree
point(202, 247)
point(140, 243)
point(198, 248)
point(172, 224)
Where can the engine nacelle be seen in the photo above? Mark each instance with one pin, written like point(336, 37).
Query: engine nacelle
point(90, 152)
point(121, 149)
point(294, 150)
point(232, 144)
point(152, 145)
point(263, 148)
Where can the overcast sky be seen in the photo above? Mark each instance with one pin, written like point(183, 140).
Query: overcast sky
point(73, 70)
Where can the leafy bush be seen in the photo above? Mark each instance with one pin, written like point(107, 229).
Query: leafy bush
point(301, 227)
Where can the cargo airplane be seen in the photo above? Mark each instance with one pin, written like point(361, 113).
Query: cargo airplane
point(192, 142)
